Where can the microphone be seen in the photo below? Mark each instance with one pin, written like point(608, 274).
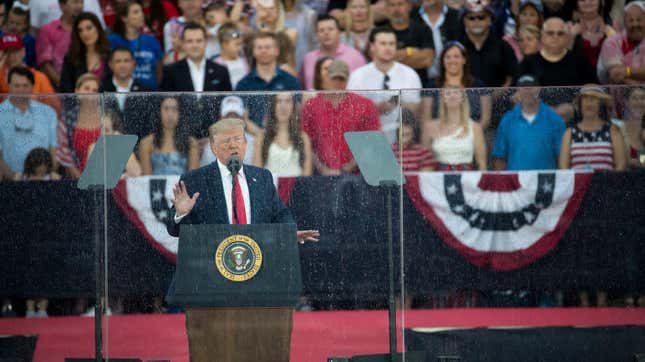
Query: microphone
point(234, 164)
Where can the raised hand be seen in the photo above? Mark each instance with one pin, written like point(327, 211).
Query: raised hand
point(183, 203)
point(307, 235)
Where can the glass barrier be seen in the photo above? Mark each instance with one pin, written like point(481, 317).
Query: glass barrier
point(528, 216)
point(52, 231)
point(248, 298)
point(512, 246)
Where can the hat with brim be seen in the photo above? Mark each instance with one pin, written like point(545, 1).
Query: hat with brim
point(338, 69)
point(527, 80)
point(11, 42)
point(594, 90)
point(232, 104)
point(638, 4)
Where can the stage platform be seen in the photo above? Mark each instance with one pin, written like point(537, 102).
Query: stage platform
point(316, 335)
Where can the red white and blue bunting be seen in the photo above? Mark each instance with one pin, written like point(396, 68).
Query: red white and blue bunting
point(502, 221)
point(499, 220)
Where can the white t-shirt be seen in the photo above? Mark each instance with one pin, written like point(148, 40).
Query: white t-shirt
point(529, 117)
point(42, 12)
point(237, 68)
point(403, 80)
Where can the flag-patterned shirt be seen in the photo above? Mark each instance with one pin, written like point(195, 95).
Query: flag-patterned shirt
point(592, 150)
point(416, 157)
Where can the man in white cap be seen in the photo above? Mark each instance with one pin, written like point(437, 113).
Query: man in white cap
point(232, 107)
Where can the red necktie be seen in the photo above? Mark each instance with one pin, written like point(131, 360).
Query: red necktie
point(239, 203)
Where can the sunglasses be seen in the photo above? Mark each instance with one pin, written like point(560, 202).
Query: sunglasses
point(552, 33)
point(477, 17)
point(232, 34)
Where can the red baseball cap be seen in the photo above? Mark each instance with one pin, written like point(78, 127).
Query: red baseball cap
point(11, 41)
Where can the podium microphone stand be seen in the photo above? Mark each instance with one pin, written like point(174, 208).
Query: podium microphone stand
point(103, 171)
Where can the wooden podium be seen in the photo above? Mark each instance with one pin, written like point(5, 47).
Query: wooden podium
point(239, 285)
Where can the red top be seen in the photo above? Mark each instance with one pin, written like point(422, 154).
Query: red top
point(592, 52)
point(83, 138)
point(326, 125)
point(415, 157)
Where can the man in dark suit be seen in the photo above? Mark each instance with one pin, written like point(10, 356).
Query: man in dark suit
point(257, 202)
point(260, 205)
point(195, 73)
point(133, 110)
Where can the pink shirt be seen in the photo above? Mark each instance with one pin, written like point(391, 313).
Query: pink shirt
point(619, 50)
point(349, 55)
point(52, 44)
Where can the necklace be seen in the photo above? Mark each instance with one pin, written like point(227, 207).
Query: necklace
point(592, 30)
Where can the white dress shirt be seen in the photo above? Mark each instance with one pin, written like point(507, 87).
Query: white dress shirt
point(227, 186)
point(120, 96)
point(433, 71)
point(402, 78)
point(197, 74)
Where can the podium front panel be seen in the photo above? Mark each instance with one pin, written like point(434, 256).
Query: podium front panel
point(254, 265)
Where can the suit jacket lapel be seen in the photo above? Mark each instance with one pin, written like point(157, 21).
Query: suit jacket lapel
point(211, 81)
point(252, 182)
point(217, 213)
point(185, 70)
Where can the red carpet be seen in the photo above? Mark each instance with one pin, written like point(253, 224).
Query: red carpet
point(316, 335)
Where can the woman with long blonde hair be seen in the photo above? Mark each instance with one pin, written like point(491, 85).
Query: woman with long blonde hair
point(358, 22)
point(457, 142)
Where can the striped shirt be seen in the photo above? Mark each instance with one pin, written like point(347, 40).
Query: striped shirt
point(592, 150)
point(416, 157)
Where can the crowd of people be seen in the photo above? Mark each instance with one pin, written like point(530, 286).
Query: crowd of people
point(434, 75)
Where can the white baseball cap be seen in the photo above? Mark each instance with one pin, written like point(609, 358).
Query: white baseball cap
point(232, 104)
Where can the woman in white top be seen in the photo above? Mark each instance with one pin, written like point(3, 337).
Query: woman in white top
point(456, 141)
point(283, 149)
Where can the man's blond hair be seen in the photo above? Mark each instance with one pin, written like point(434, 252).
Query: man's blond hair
point(225, 125)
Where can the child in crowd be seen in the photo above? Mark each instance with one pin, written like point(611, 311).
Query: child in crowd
point(39, 166)
point(412, 155)
point(231, 56)
point(214, 16)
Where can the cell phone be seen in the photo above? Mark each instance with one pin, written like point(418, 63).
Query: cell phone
point(641, 156)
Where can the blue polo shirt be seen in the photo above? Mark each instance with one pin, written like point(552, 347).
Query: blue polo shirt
point(22, 132)
point(258, 104)
point(529, 146)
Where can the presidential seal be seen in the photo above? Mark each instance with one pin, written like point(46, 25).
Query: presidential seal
point(238, 258)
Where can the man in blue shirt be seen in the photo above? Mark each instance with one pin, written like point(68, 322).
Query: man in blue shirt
point(266, 76)
point(529, 135)
point(24, 124)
